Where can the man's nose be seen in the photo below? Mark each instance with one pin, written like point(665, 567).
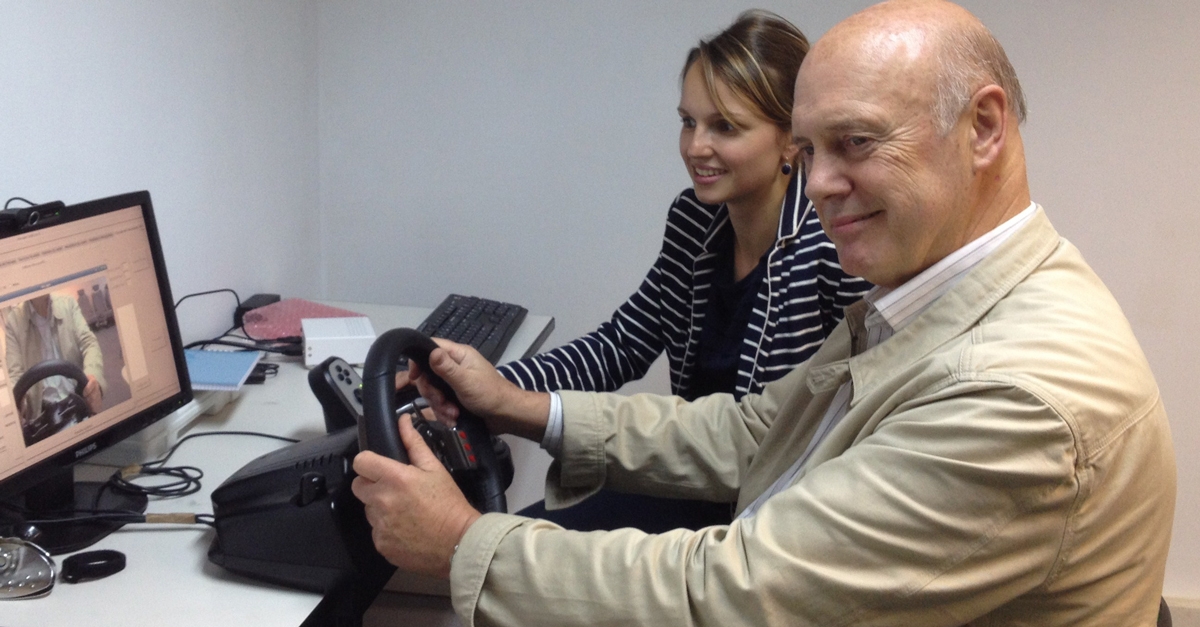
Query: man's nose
point(823, 178)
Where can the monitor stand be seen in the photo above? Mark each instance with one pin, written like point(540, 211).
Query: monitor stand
point(77, 504)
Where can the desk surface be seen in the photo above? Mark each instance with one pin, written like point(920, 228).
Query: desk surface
point(168, 579)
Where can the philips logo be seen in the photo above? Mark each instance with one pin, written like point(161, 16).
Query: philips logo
point(85, 450)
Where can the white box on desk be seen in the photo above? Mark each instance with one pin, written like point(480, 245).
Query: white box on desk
point(348, 338)
point(152, 442)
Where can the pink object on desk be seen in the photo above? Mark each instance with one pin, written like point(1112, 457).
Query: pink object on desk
point(282, 319)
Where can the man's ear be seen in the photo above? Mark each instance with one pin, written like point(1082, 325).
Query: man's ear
point(989, 126)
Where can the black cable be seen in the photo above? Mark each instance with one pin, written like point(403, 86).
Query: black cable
point(262, 371)
point(186, 479)
point(123, 516)
point(24, 200)
point(282, 349)
point(171, 451)
point(127, 517)
point(291, 346)
point(187, 482)
point(224, 289)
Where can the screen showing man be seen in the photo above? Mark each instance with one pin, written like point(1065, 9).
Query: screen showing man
point(85, 341)
point(69, 331)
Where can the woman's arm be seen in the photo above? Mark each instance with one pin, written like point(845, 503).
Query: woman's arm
point(620, 350)
point(623, 348)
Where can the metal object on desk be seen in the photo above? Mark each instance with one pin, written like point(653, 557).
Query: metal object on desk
point(26, 570)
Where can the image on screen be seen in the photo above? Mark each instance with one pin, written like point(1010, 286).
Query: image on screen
point(70, 330)
point(89, 351)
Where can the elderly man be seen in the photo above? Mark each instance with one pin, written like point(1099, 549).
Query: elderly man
point(980, 442)
point(52, 326)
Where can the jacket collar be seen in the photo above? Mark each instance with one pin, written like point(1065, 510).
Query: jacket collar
point(790, 219)
point(792, 216)
point(950, 316)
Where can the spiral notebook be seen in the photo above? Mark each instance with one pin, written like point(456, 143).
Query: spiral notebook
point(220, 370)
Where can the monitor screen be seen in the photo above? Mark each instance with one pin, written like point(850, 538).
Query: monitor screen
point(91, 354)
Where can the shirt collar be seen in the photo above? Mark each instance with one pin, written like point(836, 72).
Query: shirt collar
point(892, 309)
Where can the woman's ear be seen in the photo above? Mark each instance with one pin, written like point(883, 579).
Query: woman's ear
point(787, 145)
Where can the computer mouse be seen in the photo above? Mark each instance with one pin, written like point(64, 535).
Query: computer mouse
point(91, 565)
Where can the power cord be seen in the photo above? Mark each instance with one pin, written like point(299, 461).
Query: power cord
point(282, 348)
point(217, 291)
point(288, 346)
point(9, 202)
point(187, 481)
point(126, 517)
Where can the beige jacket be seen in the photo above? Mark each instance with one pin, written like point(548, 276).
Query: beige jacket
point(76, 343)
point(1006, 460)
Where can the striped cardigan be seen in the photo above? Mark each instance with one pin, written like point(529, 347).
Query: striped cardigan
point(798, 305)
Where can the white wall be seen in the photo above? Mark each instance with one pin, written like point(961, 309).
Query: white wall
point(211, 106)
point(527, 151)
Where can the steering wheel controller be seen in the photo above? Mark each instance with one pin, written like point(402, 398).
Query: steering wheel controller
point(340, 391)
point(481, 465)
point(70, 410)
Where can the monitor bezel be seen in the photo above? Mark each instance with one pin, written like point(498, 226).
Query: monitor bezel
point(79, 452)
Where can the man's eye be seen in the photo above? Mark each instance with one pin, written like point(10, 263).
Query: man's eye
point(857, 141)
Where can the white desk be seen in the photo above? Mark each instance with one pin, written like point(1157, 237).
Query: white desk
point(168, 579)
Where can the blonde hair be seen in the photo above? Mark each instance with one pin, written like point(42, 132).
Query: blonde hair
point(757, 58)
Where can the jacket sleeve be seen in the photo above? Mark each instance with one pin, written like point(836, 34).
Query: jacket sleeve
point(928, 520)
point(86, 342)
point(620, 350)
point(14, 343)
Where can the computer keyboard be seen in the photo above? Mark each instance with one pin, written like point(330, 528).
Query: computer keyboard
point(487, 325)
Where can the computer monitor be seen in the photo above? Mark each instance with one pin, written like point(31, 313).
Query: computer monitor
point(90, 352)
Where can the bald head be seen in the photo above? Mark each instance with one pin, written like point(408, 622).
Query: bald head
point(908, 135)
point(959, 54)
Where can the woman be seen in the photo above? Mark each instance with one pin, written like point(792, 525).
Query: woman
point(746, 286)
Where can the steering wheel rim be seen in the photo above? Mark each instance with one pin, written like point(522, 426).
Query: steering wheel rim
point(380, 431)
point(45, 369)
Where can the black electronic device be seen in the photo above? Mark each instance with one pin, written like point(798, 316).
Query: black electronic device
point(339, 389)
point(254, 302)
point(24, 218)
point(98, 267)
point(290, 518)
point(92, 565)
point(485, 324)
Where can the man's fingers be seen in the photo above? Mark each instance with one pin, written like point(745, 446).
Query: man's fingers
point(370, 465)
point(418, 452)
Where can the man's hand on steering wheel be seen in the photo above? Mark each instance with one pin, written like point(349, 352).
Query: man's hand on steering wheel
point(482, 390)
point(93, 395)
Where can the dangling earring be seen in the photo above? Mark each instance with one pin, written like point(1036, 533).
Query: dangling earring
point(786, 169)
